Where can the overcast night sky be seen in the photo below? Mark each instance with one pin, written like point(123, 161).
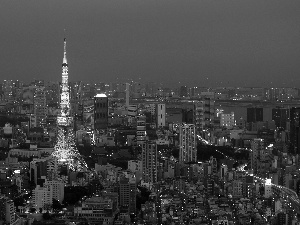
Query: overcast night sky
point(195, 42)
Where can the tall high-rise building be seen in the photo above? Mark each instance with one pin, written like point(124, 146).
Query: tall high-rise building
point(141, 132)
point(7, 210)
point(268, 188)
point(149, 161)
point(40, 106)
point(52, 169)
point(295, 130)
point(281, 116)
point(76, 91)
point(38, 168)
point(255, 115)
point(100, 112)
point(249, 187)
point(127, 94)
point(257, 145)
point(223, 171)
point(161, 115)
point(128, 193)
point(213, 163)
point(209, 110)
point(187, 143)
point(52, 92)
point(204, 113)
point(198, 117)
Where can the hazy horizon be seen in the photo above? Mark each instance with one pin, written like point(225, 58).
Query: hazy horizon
point(203, 43)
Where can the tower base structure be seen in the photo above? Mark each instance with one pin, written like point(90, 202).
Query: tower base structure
point(66, 152)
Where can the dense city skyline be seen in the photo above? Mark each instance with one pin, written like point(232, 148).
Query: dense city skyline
point(202, 43)
point(141, 154)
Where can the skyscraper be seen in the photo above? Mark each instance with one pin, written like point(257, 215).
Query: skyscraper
point(254, 115)
point(257, 145)
point(161, 115)
point(52, 90)
point(52, 169)
point(187, 143)
point(209, 110)
point(204, 113)
point(38, 168)
point(295, 130)
point(141, 133)
point(100, 112)
point(281, 116)
point(7, 210)
point(127, 94)
point(128, 193)
point(40, 106)
point(149, 161)
point(198, 117)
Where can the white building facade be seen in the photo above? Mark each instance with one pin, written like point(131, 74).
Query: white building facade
point(42, 196)
point(227, 120)
point(161, 115)
point(57, 188)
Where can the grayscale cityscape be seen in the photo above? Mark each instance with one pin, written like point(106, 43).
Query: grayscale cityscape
point(150, 112)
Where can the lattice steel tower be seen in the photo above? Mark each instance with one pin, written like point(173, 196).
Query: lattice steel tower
point(65, 149)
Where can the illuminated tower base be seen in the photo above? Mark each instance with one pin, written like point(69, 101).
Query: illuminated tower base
point(66, 152)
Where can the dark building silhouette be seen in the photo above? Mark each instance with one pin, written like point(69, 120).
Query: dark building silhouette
point(281, 218)
point(255, 115)
point(100, 112)
point(183, 91)
point(187, 115)
point(294, 130)
point(281, 116)
point(231, 93)
point(210, 184)
point(128, 194)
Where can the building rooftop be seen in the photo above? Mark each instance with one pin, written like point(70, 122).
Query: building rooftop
point(101, 96)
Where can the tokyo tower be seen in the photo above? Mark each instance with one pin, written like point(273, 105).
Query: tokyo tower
point(65, 150)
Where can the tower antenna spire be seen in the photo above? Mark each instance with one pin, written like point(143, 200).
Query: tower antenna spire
point(65, 48)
